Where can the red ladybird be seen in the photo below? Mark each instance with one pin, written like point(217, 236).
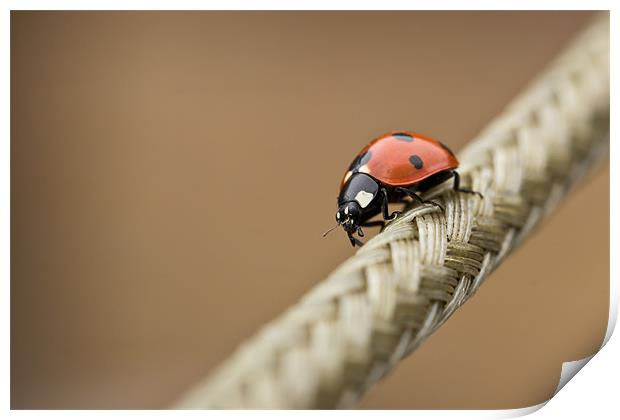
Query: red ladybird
point(391, 167)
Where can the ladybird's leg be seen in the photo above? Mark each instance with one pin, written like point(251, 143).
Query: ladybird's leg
point(355, 241)
point(384, 207)
point(411, 194)
point(384, 204)
point(417, 198)
point(457, 181)
point(457, 186)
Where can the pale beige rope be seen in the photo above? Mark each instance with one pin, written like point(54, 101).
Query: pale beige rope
point(380, 304)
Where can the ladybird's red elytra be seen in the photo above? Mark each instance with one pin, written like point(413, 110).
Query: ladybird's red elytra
point(402, 158)
point(389, 169)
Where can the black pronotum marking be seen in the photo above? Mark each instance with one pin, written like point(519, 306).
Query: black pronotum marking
point(365, 158)
point(403, 137)
point(416, 161)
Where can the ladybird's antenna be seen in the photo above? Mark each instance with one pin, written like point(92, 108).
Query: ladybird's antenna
point(329, 230)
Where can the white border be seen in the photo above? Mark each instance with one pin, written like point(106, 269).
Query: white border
point(594, 393)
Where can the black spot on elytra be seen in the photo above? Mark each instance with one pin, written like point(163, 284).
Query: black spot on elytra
point(416, 161)
point(365, 158)
point(446, 148)
point(403, 137)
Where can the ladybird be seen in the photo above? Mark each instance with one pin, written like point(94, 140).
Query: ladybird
point(390, 168)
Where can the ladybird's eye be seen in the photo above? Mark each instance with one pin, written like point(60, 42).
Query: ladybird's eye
point(338, 215)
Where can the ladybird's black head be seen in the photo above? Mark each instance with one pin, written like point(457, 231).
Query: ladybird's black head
point(349, 215)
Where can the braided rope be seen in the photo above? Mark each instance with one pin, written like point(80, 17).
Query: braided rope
point(381, 303)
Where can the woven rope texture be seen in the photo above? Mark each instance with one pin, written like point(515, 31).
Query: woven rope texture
point(381, 303)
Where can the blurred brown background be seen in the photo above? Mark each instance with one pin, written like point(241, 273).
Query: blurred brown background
point(172, 174)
